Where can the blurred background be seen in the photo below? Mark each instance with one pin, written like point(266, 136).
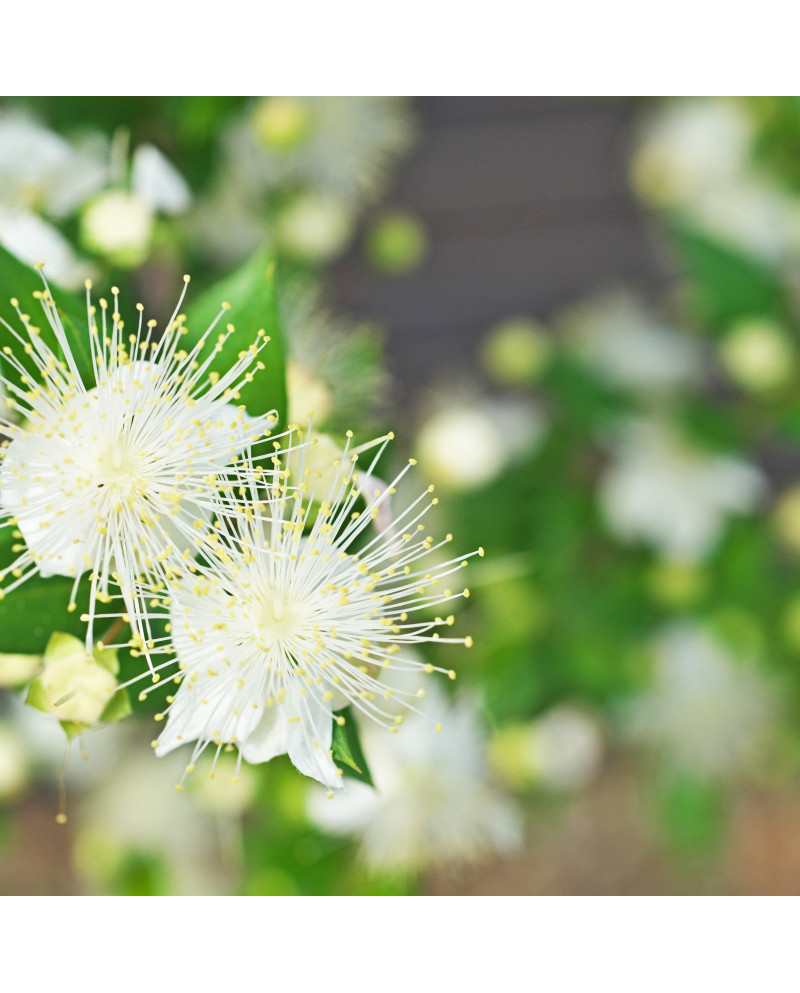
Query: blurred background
point(582, 318)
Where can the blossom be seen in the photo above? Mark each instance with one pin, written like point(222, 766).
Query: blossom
point(695, 157)
point(344, 146)
point(333, 369)
point(42, 175)
point(434, 802)
point(112, 476)
point(706, 711)
point(630, 348)
point(661, 491)
point(294, 607)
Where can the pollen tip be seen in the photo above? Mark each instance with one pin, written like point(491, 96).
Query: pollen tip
point(187, 278)
point(60, 818)
point(40, 266)
point(87, 283)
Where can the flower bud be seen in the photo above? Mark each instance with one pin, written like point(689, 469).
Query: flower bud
point(74, 686)
point(281, 123)
point(18, 669)
point(315, 228)
point(758, 356)
point(118, 226)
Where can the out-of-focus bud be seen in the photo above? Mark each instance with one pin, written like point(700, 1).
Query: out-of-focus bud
point(14, 766)
point(516, 352)
point(118, 226)
point(75, 686)
point(281, 123)
point(786, 518)
point(461, 448)
point(315, 228)
point(18, 669)
point(677, 584)
point(396, 243)
point(758, 355)
point(307, 394)
point(561, 750)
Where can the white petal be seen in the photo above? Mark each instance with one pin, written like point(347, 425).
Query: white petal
point(301, 726)
point(158, 182)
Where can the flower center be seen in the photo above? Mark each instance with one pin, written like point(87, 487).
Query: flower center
point(118, 468)
point(276, 618)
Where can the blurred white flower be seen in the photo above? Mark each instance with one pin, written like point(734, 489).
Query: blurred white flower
point(468, 440)
point(334, 368)
point(630, 348)
point(119, 222)
point(156, 181)
point(694, 157)
point(561, 750)
point(670, 496)
point(335, 146)
point(44, 173)
point(706, 711)
point(433, 803)
point(34, 240)
point(136, 811)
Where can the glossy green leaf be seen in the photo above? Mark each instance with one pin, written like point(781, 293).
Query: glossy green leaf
point(250, 291)
point(21, 281)
point(30, 614)
point(347, 750)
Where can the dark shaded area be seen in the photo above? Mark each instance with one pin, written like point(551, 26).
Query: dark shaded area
point(527, 206)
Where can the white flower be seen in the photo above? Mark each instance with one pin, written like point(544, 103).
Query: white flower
point(167, 828)
point(274, 629)
point(341, 146)
point(695, 156)
point(112, 476)
point(31, 239)
point(433, 802)
point(42, 172)
point(561, 750)
point(468, 440)
point(333, 368)
point(630, 348)
point(672, 497)
point(156, 181)
point(706, 712)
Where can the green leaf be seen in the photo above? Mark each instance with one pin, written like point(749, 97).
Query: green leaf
point(347, 749)
point(37, 697)
point(117, 708)
point(30, 614)
point(21, 281)
point(725, 283)
point(250, 290)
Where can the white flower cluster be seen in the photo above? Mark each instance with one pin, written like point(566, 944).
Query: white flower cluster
point(283, 581)
point(45, 179)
